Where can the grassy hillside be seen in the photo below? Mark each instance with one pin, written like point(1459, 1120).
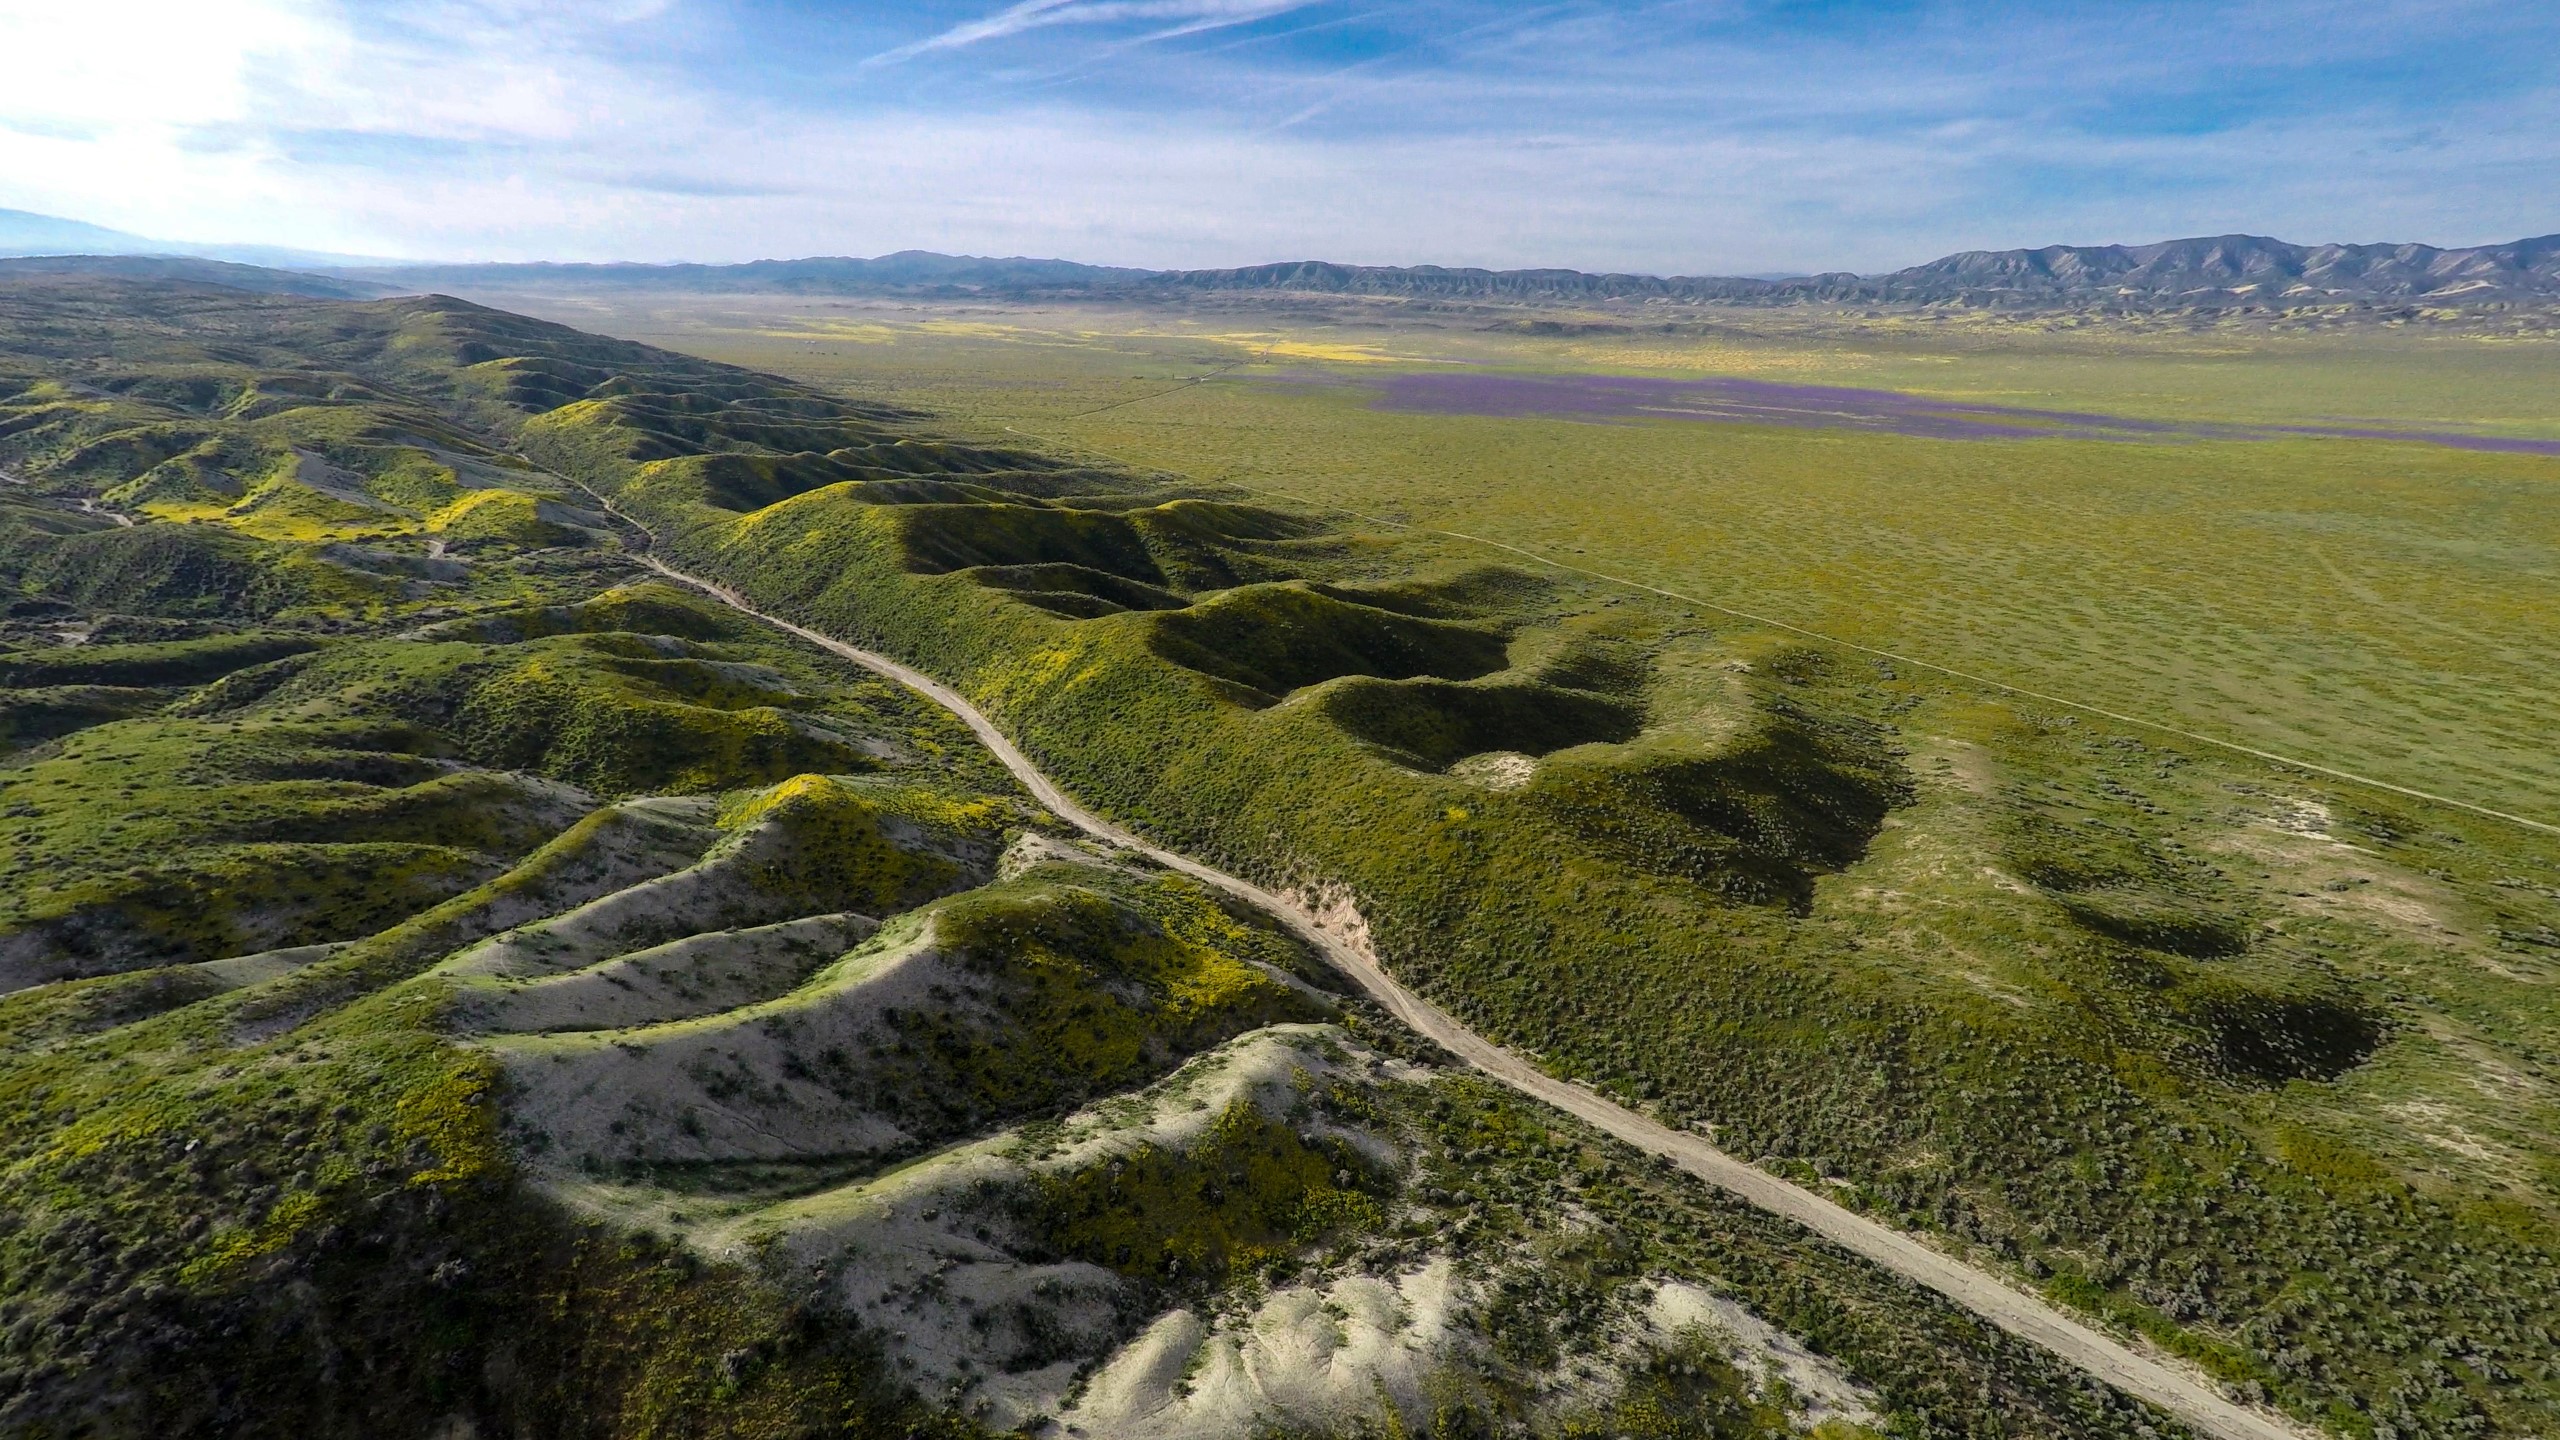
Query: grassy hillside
point(2366, 597)
point(2253, 1064)
point(455, 984)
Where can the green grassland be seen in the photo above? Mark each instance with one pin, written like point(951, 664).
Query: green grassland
point(451, 982)
point(2381, 608)
point(2253, 1062)
point(986, 363)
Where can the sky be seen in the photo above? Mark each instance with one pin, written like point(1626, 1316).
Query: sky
point(1688, 136)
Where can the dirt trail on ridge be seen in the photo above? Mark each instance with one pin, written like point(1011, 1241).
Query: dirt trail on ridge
point(1337, 932)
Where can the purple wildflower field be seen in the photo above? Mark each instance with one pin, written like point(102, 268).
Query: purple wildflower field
point(1831, 407)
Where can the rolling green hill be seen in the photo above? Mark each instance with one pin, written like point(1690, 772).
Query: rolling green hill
point(456, 981)
point(2161, 1032)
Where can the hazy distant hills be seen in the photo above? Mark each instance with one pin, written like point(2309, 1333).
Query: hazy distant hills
point(193, 270)
point(2221, 272)
point(1433, 282)
point(2245, 267)
point(907, 271)
point(25, 233)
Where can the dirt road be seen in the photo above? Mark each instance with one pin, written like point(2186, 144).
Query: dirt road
point(2190, 1397)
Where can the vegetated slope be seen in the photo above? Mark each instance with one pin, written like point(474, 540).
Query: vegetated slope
point(2163, 1033)
point(259, 1192)
point(455, 985)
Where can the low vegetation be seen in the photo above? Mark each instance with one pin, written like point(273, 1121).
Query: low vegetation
point(458, 983)
point(455, 979)
point(2085, 1004)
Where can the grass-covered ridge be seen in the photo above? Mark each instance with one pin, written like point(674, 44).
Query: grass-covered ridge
point(455, 983)
point(282, 1166)
point(2164, 1030)
point(311, 685)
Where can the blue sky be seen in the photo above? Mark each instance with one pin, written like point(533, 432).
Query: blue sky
point(1694, 136)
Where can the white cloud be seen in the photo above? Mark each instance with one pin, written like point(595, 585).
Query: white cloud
point(137, 64)
point(515, 129)
point(197, 121)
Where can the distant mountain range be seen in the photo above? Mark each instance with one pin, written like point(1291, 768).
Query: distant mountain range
point(906, 272)
point(2245, 267)
point(193, 270)
point(2221, 272)
point(23, 233)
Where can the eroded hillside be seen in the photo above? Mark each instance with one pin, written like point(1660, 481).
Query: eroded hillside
point(456, 979)
point(2182, 1039)
point(456, 982)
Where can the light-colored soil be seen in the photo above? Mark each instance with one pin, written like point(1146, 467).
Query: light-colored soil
point(930, 1251)
point(694, 976)
point(1496, 769)
point(720, 890)
point(1311, 1354)
point(2330, 877)
point(733, 1086)
point(244, 970)
point(1821, 1387)
point(638, 840)
point(790, 1042)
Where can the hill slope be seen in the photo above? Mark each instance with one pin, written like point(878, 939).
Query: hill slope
point(455, 985)
point(2046, 992)
point(2239, 266)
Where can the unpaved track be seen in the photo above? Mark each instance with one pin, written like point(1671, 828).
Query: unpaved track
point(2185, 1395)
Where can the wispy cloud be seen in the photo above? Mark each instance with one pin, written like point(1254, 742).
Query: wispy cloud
point(1188, 17)
point(1335, 87)
point(1720, 135)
